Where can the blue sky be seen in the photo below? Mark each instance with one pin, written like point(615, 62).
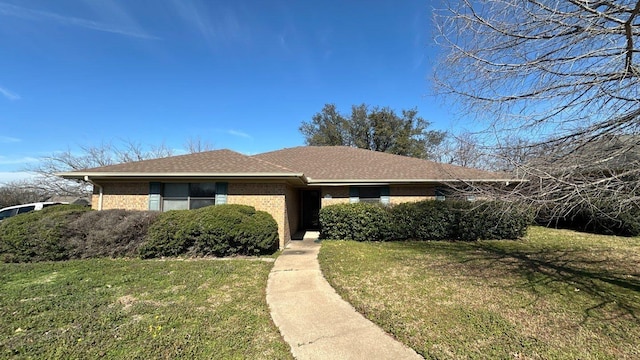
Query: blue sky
point(241, 75)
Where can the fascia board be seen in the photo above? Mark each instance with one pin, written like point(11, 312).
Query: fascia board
point(127, 175)
point(364, 182)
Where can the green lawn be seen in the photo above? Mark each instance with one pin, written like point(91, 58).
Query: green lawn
point(556, 294)
point(137, 309)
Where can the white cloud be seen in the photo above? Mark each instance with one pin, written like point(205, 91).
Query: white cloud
point(38, 15)
point(239, 133)
point(217, 24)
point(12, 176)
point(9, 140)
point(9, 94)
point(14, 161)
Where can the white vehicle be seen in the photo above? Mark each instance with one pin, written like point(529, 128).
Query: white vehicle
point(21, 209)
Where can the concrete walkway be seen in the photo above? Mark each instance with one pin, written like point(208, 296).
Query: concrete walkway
point(314, 320)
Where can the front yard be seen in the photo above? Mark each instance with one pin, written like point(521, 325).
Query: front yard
point(555, 294)
point(137, 309)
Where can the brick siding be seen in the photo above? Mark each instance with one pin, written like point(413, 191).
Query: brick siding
point(130, 196)
point(265, 197)
point(334, 195)
point(400, 194)
point(278, 199)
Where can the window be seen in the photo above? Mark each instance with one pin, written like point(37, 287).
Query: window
point(25, 209)
point(441, 195)
point(183, 196)
point(201, 195)
point(370, 194)
point(8, 213)
point(176, 197)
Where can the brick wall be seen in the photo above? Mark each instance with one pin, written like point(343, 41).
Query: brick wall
point(130, 196)
point(400, 194)
point(277, 199)
point(338, 195)
point(293, 211)
point(265, 197)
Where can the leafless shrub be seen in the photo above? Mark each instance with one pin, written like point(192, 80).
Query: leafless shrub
point(108, 233)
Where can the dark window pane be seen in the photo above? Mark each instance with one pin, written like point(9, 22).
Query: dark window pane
point(7, 213)
point(25, 209)
point(202, 189)
point(369, 193)
point(200, 203)
point(176, 190)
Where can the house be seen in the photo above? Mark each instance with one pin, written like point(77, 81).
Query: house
point(290, 184)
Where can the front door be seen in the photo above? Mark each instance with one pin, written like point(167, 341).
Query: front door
point(311, 209)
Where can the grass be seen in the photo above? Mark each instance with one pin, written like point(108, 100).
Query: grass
point(137, 309)
point(555, 294)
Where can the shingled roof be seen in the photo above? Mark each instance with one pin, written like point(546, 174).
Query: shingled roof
point(209, 163)
point(342, 163)
point(310, 164)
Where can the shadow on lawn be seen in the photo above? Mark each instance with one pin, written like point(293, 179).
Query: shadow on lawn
point(612, 284)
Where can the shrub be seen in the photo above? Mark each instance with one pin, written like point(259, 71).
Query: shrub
point(167, 235)
point(425, 220)
point(37, 235)
point(602, 217)
point(489, 220)
point(108, 233)
point(221, 230)
point(358, 221)
point(258, 234)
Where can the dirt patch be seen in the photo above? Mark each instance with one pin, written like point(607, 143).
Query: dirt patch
point(127, 301)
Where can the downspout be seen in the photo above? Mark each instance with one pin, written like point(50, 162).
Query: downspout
point(86, 178)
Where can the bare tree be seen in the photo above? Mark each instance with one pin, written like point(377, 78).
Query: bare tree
point(567, 66)
point(565, 76)
point(103, 154)
point(196, 145)
point(462, 149)
point(21, 192)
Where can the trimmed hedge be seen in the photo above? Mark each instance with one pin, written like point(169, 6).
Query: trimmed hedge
point(73, 232)
point(221, 230)
point(66, 232)
point(358, 221)
point(493, 220)
point(424, 220)
point(37, 235)
point(603, 217)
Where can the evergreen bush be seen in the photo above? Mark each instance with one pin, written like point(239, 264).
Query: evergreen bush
point(424, 220)
point(600, 217)
point(221, 230)
point(38, 235)
point(358, 221)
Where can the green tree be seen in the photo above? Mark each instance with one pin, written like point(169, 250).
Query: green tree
point(373, 128)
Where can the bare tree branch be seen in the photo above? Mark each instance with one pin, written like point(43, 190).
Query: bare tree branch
point(562, 76)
